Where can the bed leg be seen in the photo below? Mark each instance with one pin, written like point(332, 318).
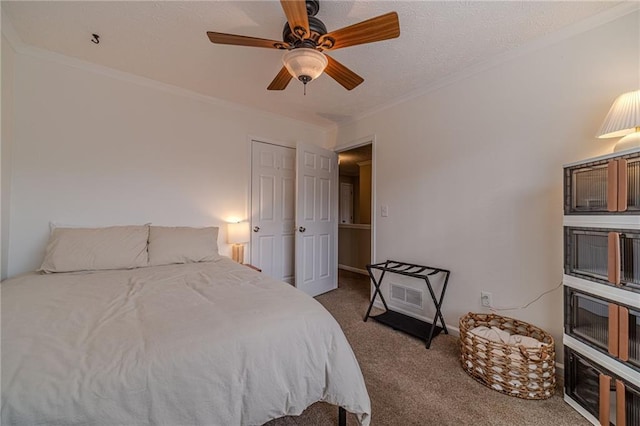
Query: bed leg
point(342, 417)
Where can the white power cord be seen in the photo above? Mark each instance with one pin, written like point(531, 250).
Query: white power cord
point(494, 309)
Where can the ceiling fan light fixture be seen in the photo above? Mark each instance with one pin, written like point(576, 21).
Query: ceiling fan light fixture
point(305, 64)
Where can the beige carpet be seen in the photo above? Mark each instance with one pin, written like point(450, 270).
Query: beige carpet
point(411, 385)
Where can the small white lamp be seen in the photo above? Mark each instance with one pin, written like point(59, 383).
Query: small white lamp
point(623, 119)
point(238, 235)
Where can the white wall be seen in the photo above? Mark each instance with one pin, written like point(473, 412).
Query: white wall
point(472, 172)
point(8, 60)
point(92, 149)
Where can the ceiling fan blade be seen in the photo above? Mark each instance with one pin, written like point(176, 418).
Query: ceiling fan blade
point(238, 40)
point(280, 82)
point(380, 28)
point(296, 11)
point(343, 75)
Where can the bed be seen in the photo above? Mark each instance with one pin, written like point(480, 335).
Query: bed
point(201, 343)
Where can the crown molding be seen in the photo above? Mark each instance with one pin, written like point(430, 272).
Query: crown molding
point(155, 84)
point(20, 47)
point(595, 21)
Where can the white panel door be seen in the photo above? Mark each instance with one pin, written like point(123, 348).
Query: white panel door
point(316, 219)
point(273, 210)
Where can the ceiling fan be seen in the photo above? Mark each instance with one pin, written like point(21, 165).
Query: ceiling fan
point(305, 37)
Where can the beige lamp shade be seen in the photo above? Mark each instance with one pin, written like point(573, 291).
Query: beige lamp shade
point(238, 233)
point(623, 117)
point(305, 64)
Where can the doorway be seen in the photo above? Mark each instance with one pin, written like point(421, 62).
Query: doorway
point(355, 229)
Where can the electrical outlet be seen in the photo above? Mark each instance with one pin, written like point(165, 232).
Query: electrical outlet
point(384, 211)
point(486, 299)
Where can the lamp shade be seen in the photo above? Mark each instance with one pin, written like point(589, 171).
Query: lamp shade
point(305, 64)
point(623, 117)
point(238, 233)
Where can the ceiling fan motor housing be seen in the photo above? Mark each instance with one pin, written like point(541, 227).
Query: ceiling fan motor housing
point(316, 28)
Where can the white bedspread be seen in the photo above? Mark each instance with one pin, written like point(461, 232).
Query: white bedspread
point(199, 344)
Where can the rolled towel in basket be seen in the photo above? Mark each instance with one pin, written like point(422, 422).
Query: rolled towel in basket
point(493, 334)
point(496, 334)
point(526, 341)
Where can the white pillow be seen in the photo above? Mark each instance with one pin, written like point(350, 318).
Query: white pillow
point(53, 225)
point(93, 249)
point(182, 245)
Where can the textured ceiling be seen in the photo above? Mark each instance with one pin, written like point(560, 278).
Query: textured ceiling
point(166, 41)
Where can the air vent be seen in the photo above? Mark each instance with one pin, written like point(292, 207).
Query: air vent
point(398, 293)
point(406, 295)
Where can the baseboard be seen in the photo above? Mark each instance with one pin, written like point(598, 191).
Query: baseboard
point(454, 331)
point(352, 269)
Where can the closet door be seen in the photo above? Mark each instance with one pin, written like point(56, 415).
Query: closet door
point(316, 219)
point(273, 210)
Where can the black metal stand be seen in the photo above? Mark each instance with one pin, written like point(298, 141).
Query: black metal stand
point(398, 321)
point(342, 417)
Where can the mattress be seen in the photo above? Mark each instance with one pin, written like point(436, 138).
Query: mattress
point(212, 343)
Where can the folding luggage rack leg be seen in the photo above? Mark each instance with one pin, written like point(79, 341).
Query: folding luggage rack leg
point(415, 327)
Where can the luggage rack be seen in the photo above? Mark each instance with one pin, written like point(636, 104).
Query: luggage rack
point(398, 321)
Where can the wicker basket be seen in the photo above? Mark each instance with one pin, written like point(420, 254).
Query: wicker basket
point(528, 373)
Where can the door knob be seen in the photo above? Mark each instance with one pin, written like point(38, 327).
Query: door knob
point(302, 229)
point(256, 228)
